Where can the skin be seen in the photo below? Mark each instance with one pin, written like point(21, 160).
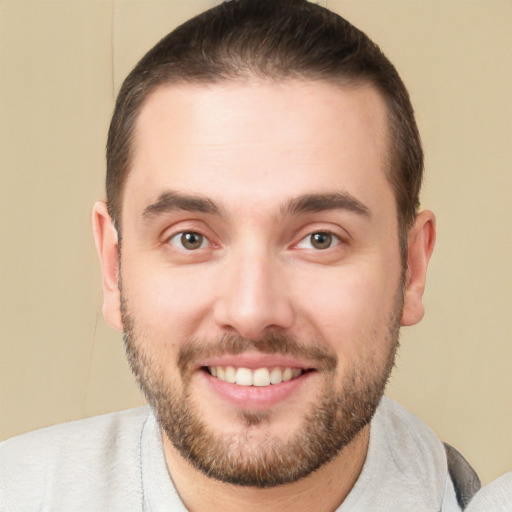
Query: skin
point(252, 149)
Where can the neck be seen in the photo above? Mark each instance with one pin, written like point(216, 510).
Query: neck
point(323, 491)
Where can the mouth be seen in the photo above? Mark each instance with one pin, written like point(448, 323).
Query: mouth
point(259, 377)
point(255, 381)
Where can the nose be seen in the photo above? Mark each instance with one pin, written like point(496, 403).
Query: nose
point(253, 296)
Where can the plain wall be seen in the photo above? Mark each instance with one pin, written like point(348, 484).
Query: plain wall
point(62, 62)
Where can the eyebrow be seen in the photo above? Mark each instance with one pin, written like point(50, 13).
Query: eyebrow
point(312, 203)
point(308, 203)
point(173, 201)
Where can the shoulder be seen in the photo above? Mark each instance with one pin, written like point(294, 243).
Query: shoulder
point(405, 468)
point(416, 451)
point(82, 456)
point(408, 436)
point(75, 440)
point(494, 497)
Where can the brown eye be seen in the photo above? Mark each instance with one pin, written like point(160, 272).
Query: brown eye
point(321, 240)
point(188, 240)
point(191, 240)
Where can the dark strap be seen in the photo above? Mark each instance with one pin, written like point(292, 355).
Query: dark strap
point(464, 477)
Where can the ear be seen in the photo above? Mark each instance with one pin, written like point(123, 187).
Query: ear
point(106, 240)
point(421, 243)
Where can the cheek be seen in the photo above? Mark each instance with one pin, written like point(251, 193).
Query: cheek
point(351, 307)
point(163, 299)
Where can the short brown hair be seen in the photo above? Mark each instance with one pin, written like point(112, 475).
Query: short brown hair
point(277, 39)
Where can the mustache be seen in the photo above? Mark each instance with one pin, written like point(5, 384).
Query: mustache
point(323, 357)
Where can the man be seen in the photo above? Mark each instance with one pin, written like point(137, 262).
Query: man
point(260, 246)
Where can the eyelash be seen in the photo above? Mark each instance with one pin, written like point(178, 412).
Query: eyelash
point(334, 240)
point(179, 239)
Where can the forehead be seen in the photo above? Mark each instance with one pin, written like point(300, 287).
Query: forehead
point(263, 139)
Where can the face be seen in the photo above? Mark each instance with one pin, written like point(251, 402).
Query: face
point(261, 275)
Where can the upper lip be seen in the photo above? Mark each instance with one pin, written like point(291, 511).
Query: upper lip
point(254, 361)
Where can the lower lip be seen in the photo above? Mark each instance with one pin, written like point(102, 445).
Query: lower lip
point(254, 397)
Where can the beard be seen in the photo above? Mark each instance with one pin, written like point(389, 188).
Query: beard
point(247, 458)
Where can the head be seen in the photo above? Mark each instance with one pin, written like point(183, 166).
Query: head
point(276, 40)
point(264, 168)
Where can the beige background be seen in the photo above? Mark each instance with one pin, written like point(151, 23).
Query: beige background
point(61, 64)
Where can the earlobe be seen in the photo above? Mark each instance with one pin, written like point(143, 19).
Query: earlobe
point(106, 240)
point(420, 246)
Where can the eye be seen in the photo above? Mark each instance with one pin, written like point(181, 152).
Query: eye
point(319, 240)
point(189, 240)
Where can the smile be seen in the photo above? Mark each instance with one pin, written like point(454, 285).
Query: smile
point(259, 377)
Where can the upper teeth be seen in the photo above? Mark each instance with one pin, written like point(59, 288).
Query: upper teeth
point(259, 377)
